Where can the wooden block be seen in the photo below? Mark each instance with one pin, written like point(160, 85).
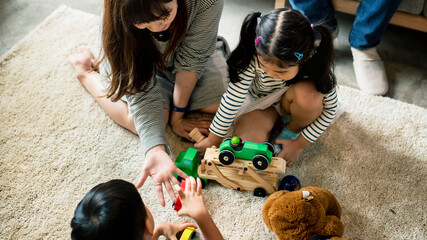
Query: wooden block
point(196, 135)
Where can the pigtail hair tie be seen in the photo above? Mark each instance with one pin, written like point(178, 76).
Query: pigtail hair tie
point(257, 40)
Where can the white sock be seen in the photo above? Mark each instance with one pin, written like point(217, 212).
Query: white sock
point(370, 71)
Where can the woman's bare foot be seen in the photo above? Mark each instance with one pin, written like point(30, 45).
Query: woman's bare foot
point(82, 62)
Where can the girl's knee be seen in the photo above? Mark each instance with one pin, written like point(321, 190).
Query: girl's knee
point(306, 97)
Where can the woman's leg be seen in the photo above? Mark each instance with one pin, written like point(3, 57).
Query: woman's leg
point(211, 109)
point(118, 111)
point(303, 103)
point(255, 126)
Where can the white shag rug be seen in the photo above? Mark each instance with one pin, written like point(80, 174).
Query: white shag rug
point(56, 143)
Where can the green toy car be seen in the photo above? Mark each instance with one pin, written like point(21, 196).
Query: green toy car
point(260, 153)
point(188, 162)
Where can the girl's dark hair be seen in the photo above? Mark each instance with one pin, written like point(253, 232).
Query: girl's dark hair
point(111, 210)
point(133, 56)
point(285, 32)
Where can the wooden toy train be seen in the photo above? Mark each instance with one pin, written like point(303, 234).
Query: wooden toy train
point(235, 164)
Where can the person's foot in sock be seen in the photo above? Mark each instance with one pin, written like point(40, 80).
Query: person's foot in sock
point(370, 71)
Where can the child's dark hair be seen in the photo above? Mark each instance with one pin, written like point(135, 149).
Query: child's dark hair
point(132, 53)
point(111, 210)
point(280, 36)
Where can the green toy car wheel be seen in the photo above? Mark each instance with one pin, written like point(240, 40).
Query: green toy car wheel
point(260, 162)
point(270, 146)
point(226, 157)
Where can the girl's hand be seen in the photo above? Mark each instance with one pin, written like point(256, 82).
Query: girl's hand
point(289, 152)
point(192, 199)
point(160, 167)
point(170, 230)
point(291, 148)
point(183, 126)
point(211, 140)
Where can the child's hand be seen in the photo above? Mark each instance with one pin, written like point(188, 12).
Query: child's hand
point(170, 230)
point(211, 140)
point(202, 145)
point(192, 199)
point(290, 150)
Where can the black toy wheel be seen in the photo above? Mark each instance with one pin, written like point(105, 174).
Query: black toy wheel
point(225, 139)
point(260, 162)
point(270, 146)
point(226, 157)
point(179, 178)
point(260, 192)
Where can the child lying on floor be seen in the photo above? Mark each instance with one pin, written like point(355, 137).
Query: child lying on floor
point(115, 210)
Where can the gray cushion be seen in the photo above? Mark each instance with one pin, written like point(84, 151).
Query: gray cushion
point(412, 6)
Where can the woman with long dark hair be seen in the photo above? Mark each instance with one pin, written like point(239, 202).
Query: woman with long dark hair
point(159, 61)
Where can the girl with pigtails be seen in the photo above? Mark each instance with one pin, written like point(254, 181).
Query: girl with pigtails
point(278, 73)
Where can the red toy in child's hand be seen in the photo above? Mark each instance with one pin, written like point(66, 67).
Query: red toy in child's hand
point(178, 205)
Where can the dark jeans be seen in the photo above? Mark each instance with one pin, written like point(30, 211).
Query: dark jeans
point(369, 25)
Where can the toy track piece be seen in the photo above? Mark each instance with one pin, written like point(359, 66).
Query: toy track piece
point(226, 157)
point(268, 186)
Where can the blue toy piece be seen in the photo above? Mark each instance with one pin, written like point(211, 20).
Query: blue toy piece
point(290, 183)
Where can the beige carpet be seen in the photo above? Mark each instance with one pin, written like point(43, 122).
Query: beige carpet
point(56, 143)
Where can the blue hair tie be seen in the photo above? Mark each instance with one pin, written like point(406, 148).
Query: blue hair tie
point(260, 16)
point(298, 55)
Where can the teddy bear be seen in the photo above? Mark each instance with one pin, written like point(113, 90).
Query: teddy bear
point(310, 213)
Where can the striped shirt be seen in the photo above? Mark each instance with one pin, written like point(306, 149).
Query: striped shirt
point(258, 84)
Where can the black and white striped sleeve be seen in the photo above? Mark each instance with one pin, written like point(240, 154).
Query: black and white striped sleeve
point(315, 129)
point(231, 102)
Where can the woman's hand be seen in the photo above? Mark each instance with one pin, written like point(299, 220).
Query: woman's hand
point(170, 230)
point(291, 148)
point(183, 126)
point(160, 167)
point(192, 199)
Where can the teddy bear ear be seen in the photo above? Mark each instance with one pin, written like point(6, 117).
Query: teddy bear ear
point(267, 205)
